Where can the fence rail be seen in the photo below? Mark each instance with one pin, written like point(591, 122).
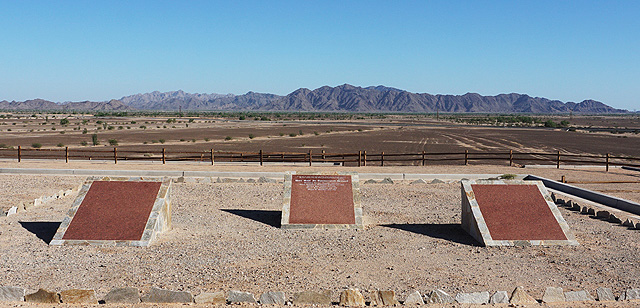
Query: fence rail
point(361, 158)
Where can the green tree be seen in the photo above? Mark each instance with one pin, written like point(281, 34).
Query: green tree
point(94, 139)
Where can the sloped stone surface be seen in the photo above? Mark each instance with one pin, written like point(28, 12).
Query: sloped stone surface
point(520, 296)
point(577, 296)
point(312, 298)
point(500, 297)
point(11, 294)
point(383, 298)
point(473, 298)
point(156, 295)
point(439, 297)
point(211, 298)
point(553, 295)
point(126, 295)
point(241, 297)
point(78, 296)
point(351, 297)
point(272, 298)
point(43, 296)
point(605, 294)
point(414, 298)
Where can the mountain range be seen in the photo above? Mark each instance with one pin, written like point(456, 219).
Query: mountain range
point(343, 98)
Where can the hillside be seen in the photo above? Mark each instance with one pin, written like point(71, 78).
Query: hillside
point(343, 98)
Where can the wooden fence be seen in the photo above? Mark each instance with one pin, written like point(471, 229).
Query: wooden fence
point(361, 158)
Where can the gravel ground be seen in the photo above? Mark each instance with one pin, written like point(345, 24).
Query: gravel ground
point(226, 236)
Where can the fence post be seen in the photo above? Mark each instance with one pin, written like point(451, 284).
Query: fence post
point(424, 154)
point(261, 158)
point(359, 158)
point(510, 158)
point(282, 157)
point(241, 157)
point(211, 157)
point(342, 159)
point(115, 155)
point(382, 159)
point(66, 154)
point(164, 157)
point(323, 157)
point(607, 162)
point(310, 155)
point(466, 157)
point(558, 161)
point(365, 158)
point(19, 153)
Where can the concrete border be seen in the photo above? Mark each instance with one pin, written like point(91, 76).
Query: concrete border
point(159, 219)
point(286, 203)
point(607, 200)
point(473, 221)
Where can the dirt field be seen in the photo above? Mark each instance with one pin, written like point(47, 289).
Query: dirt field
point(392, 134)
point(226, 236)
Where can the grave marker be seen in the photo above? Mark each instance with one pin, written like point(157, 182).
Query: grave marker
point(321, 200)
point(117, 212)
point(508, 213)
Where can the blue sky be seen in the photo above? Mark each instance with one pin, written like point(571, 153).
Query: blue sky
point(98, 50)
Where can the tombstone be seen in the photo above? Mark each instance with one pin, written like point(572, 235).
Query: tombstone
point(117, 212)
point(322, 200)
point(512, 213)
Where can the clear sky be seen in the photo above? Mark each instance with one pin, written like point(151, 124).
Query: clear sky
point(99, 50)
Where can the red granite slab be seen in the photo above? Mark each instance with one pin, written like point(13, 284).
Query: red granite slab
point(113, 210)
point(516, 212)
point(321, 199)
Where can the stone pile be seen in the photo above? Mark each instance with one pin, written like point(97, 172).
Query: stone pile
point(348, 297)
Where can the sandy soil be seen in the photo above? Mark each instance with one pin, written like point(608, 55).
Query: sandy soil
point(226, 236)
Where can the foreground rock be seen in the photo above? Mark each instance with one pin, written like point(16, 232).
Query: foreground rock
point(605, 294)
point(272, 298)
point(577, 296)
point(43, 296)
point(77, 296)
point(312, 298)
point(11, 294)
point(473, 298)
point(383, 298)
point(236, 297)
point(211, 298)
point(156, 295)
point(125, 295)
point(520, 296)
point(500, 297)
point(414, 298)
point(351, 297)
point(553, 295)
point(439, 297)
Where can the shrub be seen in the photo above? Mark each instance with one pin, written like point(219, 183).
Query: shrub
point(193, 140)
point(143, 127)
point(507, 176)
point(84, 143)
point(251, 136)
point(36, 145)
point(64, 121)
point(228, 138)
point(292, 135)
point(316, 133)
point(60, 145)
point(113, 142)
point(182, 139)
point(161, 140)
point(94, 139)
point(206, 139)
point(549, 123)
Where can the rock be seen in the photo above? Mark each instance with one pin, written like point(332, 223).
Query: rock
point(638, 225)
point(77, 296)
point(419, 181)
point(553, 197)
point(576, 207)
point(11, 294)
point(370, 181)
point(241, 297)
point(569, 203)
point(591, 212)
point(211, 298)
point(623, 296)
point(126, 295)
point(43, 296)
point(312, 298)
point(605, 294)
point(560, 201)
point(386, 181)
point(628, 223)
point(383, 298)
point(414, 298)
point(351, 297)
point(613, 218)
point(156, 295)
point(437, 181)
point(553, 295)
point(251, 181)
point(439, 297)
point(584, 210)
point(520, 296)
point(632, 294)
point(272, 298)
point(179, 180)
point(190, 180)
point(577, 296)
point(263, 179)
point(12, 210)
point(500, 297)
point(473, 298)
point(602, 214)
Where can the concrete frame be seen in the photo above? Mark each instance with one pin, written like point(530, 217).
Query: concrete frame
point(473, 222)
point(286, 206)
point(159, 219)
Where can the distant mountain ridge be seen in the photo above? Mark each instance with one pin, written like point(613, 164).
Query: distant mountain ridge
point(343, 98)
